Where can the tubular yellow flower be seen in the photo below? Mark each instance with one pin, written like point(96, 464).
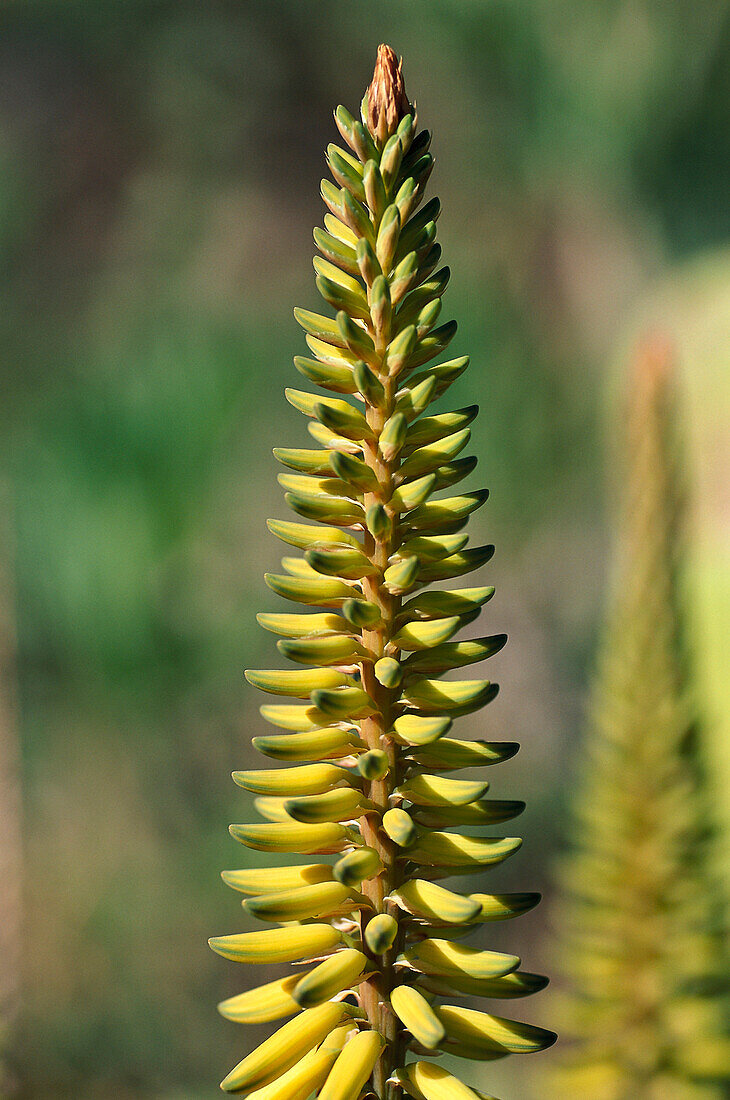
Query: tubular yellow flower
point(365, 719)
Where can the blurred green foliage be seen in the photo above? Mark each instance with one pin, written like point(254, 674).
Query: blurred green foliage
point(159, 165)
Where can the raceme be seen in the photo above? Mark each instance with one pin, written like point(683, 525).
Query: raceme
point(365, 718)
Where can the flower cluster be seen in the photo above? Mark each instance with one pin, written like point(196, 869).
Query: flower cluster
point(366, 722)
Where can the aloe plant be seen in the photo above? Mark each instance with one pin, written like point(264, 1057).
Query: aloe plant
point(641, 917)
point(377, 932)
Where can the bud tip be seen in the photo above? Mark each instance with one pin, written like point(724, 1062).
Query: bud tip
point(387, 100)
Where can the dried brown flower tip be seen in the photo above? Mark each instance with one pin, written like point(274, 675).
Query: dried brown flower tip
point(387, 99)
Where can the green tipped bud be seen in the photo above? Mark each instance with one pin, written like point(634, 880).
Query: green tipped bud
point(442, 957)
point(390, 161)
point(360, 864)
point(354, 215)
point(415, 730)
point(353, 470)
point(407, 198)
point(345, 172)
point(355, 337)
point(413, 493)
point(332, 197)
point(406, 131)
point(336, 973)
point(343, 704)
point(380, 933)
point(404, 277)
point(277, 944)
point(352, 1068)
point(416, 1014)
point(377, 520)
point(344, 122)
point(393, 437)
point(340, 297)
point(373, 764)
point(416, 398)
point(355, 134)
point(380, 308)
point(361, 613)
point(374, 188)
point(401, 577)
point(367, 262)
point(282, 1050)
point(343, 419)
point(388, 237)
point(422, 169)
point(368, 384)
point(341, 804)
point(304, 903)
point(401, 349)
point(428, 317)
point(400, 827)
point(388, 672)
point(435, 790)
point(429, 901)
point(434, 1082)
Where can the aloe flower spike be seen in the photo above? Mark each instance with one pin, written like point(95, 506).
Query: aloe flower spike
point(371, 804)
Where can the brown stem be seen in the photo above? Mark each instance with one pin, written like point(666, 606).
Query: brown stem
point(375, 992)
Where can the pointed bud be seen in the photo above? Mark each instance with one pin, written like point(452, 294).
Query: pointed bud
point(373, 764)
point(380, 307)
point(393, 436)
point(375, 193)
point(377, 520)
point(386, 96)
point(388, 672)
point(367, 261)
point(380, 933)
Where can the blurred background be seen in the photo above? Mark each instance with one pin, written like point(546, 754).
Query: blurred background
point(159, 172)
